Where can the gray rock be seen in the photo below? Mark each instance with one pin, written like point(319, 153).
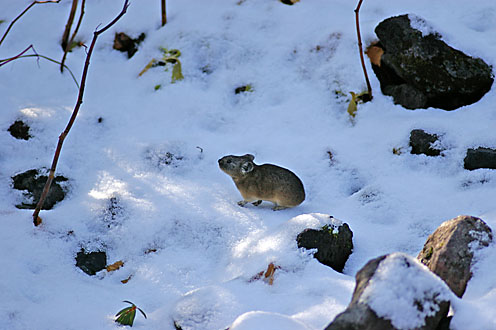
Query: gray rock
point(360, 315)
point(480, 158)
point(422, 143)
point(423, 71)
point(449, 251)
point(33, 182)
point(334, 244)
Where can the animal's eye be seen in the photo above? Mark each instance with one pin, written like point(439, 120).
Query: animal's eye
point(228, 161)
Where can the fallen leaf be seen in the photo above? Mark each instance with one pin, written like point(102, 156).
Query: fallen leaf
point(116, 265)
point(127, 279)
point(375, 53)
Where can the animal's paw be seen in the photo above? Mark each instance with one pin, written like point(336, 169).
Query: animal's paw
point(257, 202)
point(242, 203)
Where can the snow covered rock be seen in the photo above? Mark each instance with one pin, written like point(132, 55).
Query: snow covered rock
point(266, 321)
point(395, 292)
point(334, 243)
point(480, 158)
point(449, 251)
point(419, 70)
point(423, 143)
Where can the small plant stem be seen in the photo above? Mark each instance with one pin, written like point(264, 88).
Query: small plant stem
point(369, 88)
point(164, 12)
point(68, 25)
point(46, 189)
point(20, 15)
point(71, 41)
point(65, 37)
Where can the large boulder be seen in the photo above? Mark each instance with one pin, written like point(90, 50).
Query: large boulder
point(480, 158)
point(395, 292)
point(334, 243)
point(449, 251)
point(419, 70)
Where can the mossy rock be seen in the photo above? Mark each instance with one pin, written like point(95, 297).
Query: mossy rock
point(32, 183)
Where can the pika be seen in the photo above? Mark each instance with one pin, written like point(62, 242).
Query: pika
point(263, 182)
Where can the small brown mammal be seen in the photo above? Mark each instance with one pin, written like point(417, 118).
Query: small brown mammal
point(263, 182)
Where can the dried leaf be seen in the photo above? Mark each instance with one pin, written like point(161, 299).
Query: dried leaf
point(269, 274)
point(127, 279)
point(375, 53)
point(116, 265)
point(176, 72)
point(352, 107)
point(147, 67)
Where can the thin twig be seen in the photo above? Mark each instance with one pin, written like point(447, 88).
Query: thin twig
point(46, 58)
point(7, 60)
point(46, 189)
point(25, 10)
point(65, 37)
point(164, 13)
point(71, 41)
point(78, 23)
point(369, 88)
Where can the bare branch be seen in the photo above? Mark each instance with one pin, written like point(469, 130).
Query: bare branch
point(46, 189)
point(20, 15)
point(369, 88)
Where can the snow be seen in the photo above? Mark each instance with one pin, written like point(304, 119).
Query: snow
point(405, 291)
point(207, 248)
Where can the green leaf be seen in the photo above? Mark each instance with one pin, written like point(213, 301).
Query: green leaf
point(177, 73)
point(126, 316)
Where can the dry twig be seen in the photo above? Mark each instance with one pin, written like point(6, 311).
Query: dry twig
point(46, 189)
point(20, 15)
point(369, 88)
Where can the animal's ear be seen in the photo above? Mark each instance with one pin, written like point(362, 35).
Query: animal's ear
point(249, 156)
point(246, 167)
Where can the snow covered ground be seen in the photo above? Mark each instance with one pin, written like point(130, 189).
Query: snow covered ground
point(208, 249)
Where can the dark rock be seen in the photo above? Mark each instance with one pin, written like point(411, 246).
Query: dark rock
point(480, 158)
point(33, 182)
point(444, 324)
point(359, 315)
point(423, 71)
point(19, 130)
point(421, 143)
point(91, 262)
point(334, 244)
point(449, 251)
point(243, 89)
point(124, 43)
